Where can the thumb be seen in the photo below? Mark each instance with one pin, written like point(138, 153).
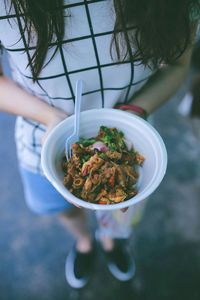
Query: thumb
point(124, 209)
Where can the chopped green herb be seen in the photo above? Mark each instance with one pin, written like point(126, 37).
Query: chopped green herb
point(112, 138)
point(86, 142)
point(103, 155)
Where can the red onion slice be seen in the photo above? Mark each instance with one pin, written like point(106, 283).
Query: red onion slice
point(100, 146)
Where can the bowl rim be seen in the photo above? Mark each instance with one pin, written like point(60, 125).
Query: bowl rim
point(65, 192)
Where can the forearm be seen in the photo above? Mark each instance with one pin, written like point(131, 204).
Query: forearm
point(17, 101)
point(160, 87)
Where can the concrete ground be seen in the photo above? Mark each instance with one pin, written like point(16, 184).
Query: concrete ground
point(166, 244)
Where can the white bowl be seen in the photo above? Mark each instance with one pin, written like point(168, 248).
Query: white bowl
point(145, 139)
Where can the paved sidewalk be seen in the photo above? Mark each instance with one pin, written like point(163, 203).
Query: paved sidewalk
point(166, 244)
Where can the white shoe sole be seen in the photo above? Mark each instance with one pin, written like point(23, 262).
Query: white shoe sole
point(114, 270)
point(69, 272)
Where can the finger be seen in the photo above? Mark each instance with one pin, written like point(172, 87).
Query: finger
point(78, 206)
point(124, 209)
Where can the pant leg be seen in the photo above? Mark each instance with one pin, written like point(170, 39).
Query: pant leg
point(118, 224)
point(41, 197)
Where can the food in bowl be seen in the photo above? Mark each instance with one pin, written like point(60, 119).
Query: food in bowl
point(103, 169)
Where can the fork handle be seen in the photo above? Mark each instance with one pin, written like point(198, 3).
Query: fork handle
point(79, 87)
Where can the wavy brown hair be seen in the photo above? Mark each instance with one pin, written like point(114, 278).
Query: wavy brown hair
point(148, 31)
point(161, 29)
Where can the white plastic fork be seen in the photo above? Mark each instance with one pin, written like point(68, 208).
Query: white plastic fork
point(75, 135)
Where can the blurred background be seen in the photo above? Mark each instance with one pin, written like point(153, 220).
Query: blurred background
point(165, 244)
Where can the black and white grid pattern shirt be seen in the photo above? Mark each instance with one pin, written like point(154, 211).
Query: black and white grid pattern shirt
point(83, 54)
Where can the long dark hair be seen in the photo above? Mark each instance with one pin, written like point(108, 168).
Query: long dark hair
point(148, 31)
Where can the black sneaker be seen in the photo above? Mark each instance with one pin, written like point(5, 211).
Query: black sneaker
point(120, 262)
point(78, 267)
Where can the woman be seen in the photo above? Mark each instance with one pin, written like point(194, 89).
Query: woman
point(132, 52)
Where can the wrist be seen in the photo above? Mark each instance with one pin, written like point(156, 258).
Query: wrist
point(133, 108)
point(53, 116)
